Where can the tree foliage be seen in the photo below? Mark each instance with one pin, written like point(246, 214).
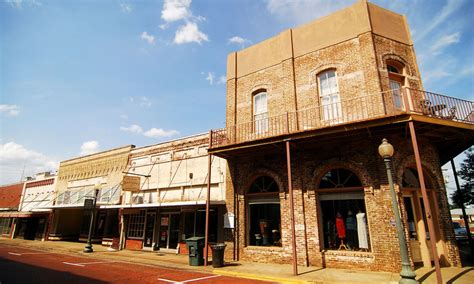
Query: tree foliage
point(464, 195)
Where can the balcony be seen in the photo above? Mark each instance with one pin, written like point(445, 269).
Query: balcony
point(355, 110)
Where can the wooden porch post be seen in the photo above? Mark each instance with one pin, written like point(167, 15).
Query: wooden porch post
point(208, 201)
point(429, 217)
point(292, 209)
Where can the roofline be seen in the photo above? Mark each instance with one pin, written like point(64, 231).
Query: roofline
point(170, 141)
point(98, 153)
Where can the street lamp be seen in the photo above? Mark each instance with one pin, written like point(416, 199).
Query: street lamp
point(88, 247)
point(408, 275)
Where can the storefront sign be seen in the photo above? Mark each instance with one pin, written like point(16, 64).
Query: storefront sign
point(229, 219)
point(131, 183)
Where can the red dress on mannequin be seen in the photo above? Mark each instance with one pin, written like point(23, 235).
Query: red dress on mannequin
point(340, 228)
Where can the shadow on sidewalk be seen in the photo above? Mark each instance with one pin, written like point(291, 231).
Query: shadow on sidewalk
point(450, 281)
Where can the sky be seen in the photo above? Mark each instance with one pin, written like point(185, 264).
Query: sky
point(77, 76)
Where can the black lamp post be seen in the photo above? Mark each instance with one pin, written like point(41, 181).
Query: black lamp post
point(407, 274)
point(88, 248)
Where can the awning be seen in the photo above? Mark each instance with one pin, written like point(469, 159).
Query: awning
point(21, 214)
point(164, 204)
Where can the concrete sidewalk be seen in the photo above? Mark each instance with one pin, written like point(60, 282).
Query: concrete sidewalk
point(271, 272)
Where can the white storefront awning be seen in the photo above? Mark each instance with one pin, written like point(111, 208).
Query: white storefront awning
point(164, 204)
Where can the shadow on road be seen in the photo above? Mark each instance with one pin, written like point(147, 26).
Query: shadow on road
point(17, 272)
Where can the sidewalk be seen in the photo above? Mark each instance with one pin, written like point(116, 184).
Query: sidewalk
point(271, 272)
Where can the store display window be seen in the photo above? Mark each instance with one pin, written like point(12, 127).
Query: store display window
point(264, 216)
point(342, 207)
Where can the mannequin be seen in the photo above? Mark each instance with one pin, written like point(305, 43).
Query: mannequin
point(351, 231)
point(331, 234)
point(341, 231)
point(362, 231)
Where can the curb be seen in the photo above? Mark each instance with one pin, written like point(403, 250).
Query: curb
point(258, 277)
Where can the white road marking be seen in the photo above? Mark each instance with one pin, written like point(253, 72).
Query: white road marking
point(202, 278)
point(169, 281)
point(20, 254)
point(189, 280)
point(86, 263)
point(76, 264)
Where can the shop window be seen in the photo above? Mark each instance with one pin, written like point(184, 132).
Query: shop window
point(329, 96)
point(263, 209)
point(260, 111)
point(136, 225)
point(344, 218)
point(195, 224)
point(5, 226)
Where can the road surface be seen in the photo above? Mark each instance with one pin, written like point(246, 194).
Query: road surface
point(20, 265)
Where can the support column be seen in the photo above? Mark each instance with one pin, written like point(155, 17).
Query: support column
point(208, 200)
point(292, 209)
point(426, 202)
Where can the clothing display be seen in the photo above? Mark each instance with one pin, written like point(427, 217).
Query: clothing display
point(341, 229)
point(362, 230)
point(351, 230)
point(331, 234)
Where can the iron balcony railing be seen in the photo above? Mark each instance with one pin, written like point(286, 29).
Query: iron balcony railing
point(360, 108)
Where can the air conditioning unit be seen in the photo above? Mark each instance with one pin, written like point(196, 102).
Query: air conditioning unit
point(137, 200)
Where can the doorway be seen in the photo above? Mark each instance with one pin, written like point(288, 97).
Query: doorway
point(149, 229)
point(169, 230)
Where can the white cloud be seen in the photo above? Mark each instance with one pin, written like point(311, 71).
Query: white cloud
point(436, 20)
point(175, 10)
point(124, 116)
point(210, 78)
point(189, 33)
point(89, 147)
point(18, 4)
point(436, 74)
point(239, 40)
point(444, 42)
point(126, 8)
point(149, 38)
point(142, 101)
point(9, 110)
point(222, 80)
point(134, 128)
point(16, 159)
point(158, 132)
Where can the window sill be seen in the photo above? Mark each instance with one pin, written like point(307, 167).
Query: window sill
point(263, 248)
point(350, 253)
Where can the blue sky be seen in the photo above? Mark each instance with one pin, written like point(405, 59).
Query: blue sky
point(83, 76)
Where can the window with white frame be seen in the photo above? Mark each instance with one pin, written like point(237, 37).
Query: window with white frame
point(329, 96)
point(136, 225)
point(260, 111)
point(397, 81)
point(5, 226)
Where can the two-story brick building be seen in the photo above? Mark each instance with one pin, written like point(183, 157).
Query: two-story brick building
point(306, 112)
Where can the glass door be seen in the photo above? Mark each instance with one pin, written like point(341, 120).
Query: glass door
point(149, 229)
point(169, 230)
point(411, 222)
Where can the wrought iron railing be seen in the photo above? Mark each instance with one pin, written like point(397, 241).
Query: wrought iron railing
point(356, 109)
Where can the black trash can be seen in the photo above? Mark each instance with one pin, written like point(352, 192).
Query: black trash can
point(218, 255)
point(195, 250)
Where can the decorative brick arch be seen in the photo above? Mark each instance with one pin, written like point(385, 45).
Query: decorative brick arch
point(428, 170)
point(257, 88)
point(313, 73)
point(263, 172)
point(321, 170)
point(395, 57)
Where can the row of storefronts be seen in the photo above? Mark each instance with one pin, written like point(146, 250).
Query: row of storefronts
point(150, 198)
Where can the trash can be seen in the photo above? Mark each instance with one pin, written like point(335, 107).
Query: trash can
point(195, 250)
point(218, 255)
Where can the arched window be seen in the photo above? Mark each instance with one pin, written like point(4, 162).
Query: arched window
point(410, 179)
point(344, 219)
point(397, 81)
point(263, 209)
point(329, 98)
point(260, 111)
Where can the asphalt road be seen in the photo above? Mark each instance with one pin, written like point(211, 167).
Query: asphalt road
point(20, 265)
